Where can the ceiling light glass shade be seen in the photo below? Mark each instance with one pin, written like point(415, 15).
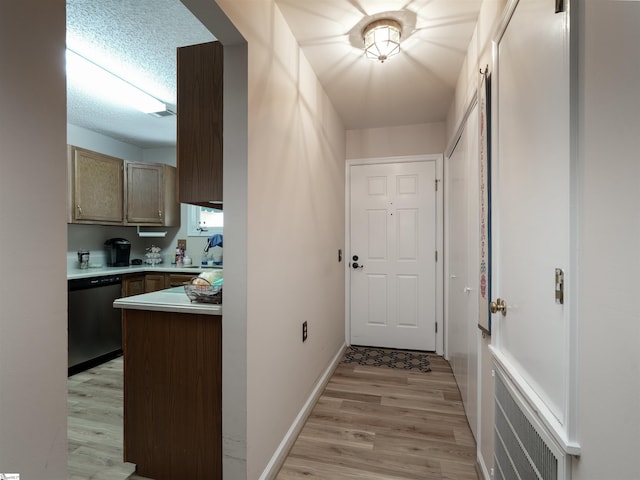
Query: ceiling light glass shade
point(382, 39)
point(107, 86)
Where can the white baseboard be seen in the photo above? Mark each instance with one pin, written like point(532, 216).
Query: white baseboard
point(481, 469)
point(279, 456)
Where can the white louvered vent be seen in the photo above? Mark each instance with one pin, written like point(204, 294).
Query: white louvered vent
point(523, 451)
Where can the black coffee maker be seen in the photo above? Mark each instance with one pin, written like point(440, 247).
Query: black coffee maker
point(117, 252)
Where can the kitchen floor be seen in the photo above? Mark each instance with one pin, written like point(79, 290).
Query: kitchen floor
point(370, 422)
point(94, 424)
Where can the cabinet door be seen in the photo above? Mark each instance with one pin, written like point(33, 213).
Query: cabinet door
point(133, 285)
point(179, 279)
point(96, 187)
point(145, 193)
point(199, 123)
point(154, 282)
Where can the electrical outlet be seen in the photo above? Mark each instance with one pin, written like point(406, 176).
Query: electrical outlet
point(304, 331)
point(182, 243)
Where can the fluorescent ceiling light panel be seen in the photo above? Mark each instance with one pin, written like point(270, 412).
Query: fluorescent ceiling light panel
point(107, 86)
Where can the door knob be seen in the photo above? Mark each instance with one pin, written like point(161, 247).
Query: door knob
point(357, 265)
point(498, 306)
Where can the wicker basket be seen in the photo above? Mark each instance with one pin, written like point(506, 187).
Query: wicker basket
point(204, 293)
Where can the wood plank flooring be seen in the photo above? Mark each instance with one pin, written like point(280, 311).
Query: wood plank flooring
point(370, 423)
point(94, 424)
point(385, 424)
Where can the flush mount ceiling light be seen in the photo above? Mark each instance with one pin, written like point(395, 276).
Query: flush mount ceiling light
point(382, 39)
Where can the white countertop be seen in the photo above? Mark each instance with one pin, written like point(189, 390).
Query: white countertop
point(73, 273)
point(170, 300)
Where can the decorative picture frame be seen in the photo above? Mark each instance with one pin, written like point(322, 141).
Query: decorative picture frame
point(484, 112)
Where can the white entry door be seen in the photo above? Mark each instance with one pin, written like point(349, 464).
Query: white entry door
point(393, 248)
point(531, 201)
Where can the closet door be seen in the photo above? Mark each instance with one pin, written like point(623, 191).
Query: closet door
point(531, 203)
point(462, 259)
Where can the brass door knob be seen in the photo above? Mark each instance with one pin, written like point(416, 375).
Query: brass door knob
point(498, 306)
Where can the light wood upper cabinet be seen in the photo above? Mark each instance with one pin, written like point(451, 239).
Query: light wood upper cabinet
point(96, 186)
point(199, 123)
point(151, 198)
point(145, 203)
point(106, 190)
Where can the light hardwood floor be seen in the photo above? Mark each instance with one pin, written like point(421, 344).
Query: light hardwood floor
point(370, 423)
point(94, 424)
point(385, 424)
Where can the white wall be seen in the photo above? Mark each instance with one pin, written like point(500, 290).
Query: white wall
point(292, 199)
point(420, 139)
point(33, 318)
point(608, 377)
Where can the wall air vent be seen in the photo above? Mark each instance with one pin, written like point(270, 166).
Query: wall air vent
point(523, 451)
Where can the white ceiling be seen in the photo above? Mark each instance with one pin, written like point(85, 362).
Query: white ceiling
point(415, 86)
point(142, 36)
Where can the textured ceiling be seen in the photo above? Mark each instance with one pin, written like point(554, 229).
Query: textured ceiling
point(137, 39)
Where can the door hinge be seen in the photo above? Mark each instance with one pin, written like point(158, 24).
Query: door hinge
point(560, 6)
point(436, 327)
point(436, 255)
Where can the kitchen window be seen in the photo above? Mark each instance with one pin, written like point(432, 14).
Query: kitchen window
point(204, 221)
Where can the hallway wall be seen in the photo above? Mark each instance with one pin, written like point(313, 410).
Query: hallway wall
point(606, 379)
point(289, 208)
point(608, 226)
point(420, 139)
point(33, 239)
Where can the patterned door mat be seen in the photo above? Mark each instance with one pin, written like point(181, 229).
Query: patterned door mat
point(384, 357)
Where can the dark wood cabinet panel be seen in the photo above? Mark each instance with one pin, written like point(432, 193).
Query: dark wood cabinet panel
point(179, 279)
point(154, 282)
point(133, 285)
point(199, 123)
point(173, 394)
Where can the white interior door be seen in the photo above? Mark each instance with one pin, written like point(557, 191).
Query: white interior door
point(531, 199)
point(462, 257)
point(393, 246)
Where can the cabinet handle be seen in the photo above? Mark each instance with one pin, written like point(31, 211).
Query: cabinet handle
point(79, 210)
point(160, 213)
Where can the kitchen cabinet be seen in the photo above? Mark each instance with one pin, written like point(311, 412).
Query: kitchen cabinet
point(138, 283)
point(154, 282)
point(96, 187)
point(106, 190)
point(179, 279)
point(151, 194)
point(199, 123)
point(173, 394)
point(133, 284)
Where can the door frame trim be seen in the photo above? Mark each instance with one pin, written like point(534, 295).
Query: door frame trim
point(438, 159)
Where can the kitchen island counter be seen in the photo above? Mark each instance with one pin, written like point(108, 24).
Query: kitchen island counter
point(172, 300)
point(172, 385)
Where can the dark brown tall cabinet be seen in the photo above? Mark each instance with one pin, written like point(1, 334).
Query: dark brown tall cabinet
point(199, 130)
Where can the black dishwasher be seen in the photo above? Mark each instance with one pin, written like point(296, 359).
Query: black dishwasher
point(94, 326)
